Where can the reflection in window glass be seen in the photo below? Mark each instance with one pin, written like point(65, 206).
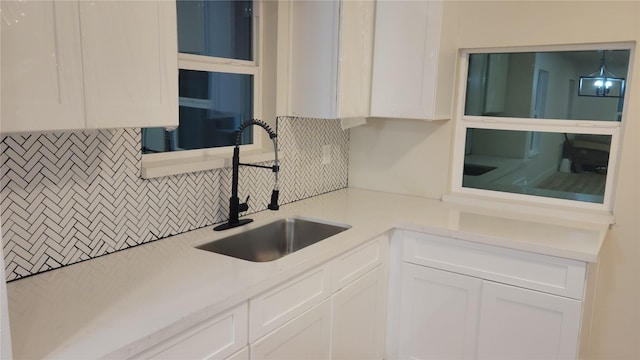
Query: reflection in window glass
point(555, 165)
point(220, 28)
point(212, 106)
point(546, 85)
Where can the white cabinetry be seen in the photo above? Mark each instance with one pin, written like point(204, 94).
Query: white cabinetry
point(276, 306)
point(438, 314)
point(524, 324)
point(80, 64)
point(359, 312)
point(461, 312)
point(216, 338)
point(349, 324)
point(414, 59)
point(336, 310)
point(130, 63)
point(41, 66)
point(327, 58)
point(306, 337)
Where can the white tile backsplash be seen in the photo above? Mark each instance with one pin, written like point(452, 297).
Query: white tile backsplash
point(72, 196)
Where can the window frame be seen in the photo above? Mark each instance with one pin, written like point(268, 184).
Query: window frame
point(462, 122)
point(225, 65)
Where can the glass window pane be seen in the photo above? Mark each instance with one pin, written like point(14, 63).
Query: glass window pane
point(220, 28)
point(212, 106)
point(555, 165)
point(575, 85)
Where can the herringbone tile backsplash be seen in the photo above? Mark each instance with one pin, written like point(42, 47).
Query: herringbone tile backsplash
point(72, 196)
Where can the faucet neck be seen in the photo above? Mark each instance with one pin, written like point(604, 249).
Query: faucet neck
point(234, 202)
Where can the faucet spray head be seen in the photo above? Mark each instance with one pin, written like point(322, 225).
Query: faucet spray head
point(273, 205)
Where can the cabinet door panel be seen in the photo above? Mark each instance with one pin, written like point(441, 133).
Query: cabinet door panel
point(355, 57)
point(313, 58)
point(438, 315)
point(305, 337)
point(359, 312)
point(518, 323)
point(215, 338)
point(131, 69)
point(286, 301)
point(41, 66)
point(400, 31)
point(532, 271)
point(355, 263)
point(240, 355)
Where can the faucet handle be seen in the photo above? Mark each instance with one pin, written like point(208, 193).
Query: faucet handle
point(244, 206)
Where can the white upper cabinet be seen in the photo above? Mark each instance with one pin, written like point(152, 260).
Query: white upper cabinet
point(41, 66)
point(326, 66)
point(414, 59)
point(79, 64)
point(130, 58)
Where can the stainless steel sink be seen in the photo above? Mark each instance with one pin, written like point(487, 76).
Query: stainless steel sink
point(274, 240)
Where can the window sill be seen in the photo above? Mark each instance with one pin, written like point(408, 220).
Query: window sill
point(559, 213)
point(158, 168)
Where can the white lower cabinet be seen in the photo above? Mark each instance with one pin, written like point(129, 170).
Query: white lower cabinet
point(438, 314)
point(518, 323)
point(448, 315)
point(358, 314)
point(348, 324)
point(306, 337)
point(240, 355)
point(336, 310)
point(220, 337)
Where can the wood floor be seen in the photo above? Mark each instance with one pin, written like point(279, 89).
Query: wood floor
point(582, 183)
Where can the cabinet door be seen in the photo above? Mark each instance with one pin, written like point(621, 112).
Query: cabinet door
point(517, 323)
point(306, 337)
point(270, 310)
point(216, 338)
point(240, 355)
point(355, 58)
point(438, 314)
point(313, 58)
point(414, 59)
point(359, 312)
point(328, 67)
point(130, 58)
point(41, 66)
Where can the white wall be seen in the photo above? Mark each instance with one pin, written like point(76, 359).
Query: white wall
point(410, 157)
point(5, 334)
point(400, 156)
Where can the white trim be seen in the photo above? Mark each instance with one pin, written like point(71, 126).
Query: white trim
point(158, 167)
point(529, 123)
point(182, 154)
point(603, 127)
point(555, 127)
point(558, 212)
point(620, 45)
point(216, 60)
point(201, 65)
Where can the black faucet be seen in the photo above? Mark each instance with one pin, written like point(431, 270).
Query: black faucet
point(235, 207)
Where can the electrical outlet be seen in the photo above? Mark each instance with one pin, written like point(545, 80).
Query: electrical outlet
point(326, 154)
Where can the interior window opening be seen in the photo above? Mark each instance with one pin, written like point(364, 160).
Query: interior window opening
point(567, 166)
point(511, 143)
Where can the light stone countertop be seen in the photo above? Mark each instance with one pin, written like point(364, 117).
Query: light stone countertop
point(128, 300)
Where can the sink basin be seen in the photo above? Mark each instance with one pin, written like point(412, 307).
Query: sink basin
point(476, 170)
point(274, 240)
